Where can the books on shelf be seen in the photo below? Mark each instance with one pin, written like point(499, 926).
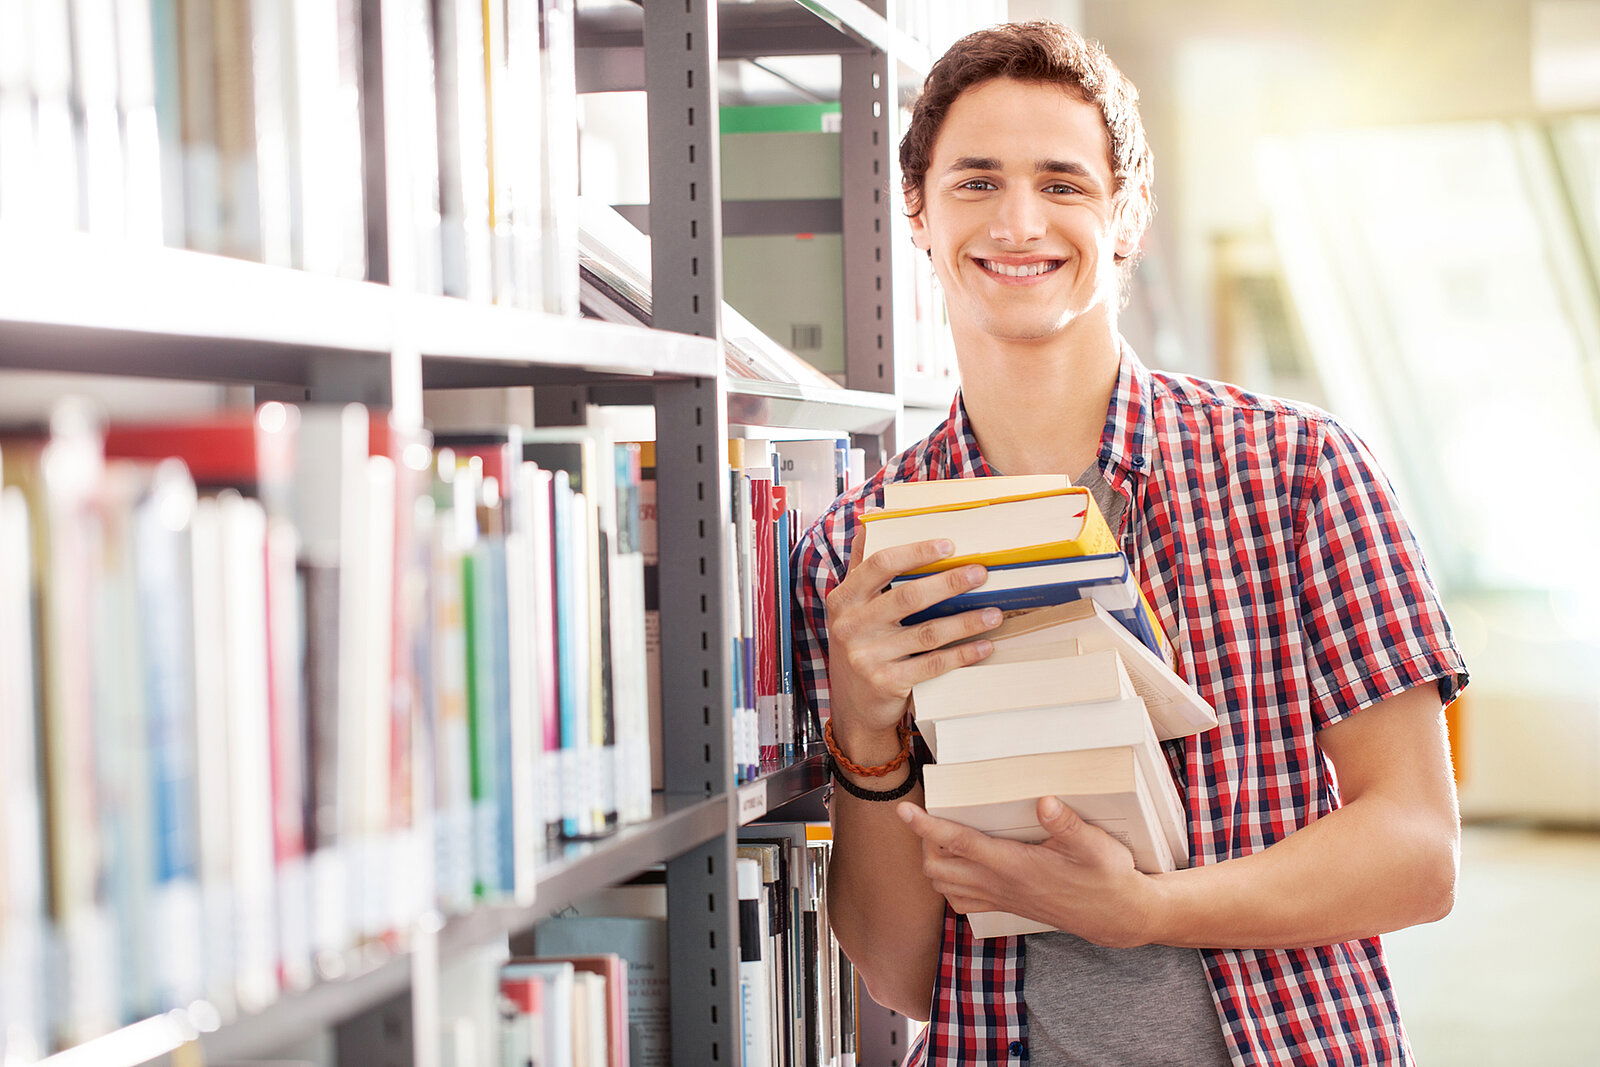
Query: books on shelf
point(791, 959)
point(290, 704)
point(432, 144)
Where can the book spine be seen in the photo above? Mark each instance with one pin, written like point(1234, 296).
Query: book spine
point(789, 732)
point(481, 702)
point(23, 921)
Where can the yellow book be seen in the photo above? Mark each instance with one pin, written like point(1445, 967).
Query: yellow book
point(1024, 528)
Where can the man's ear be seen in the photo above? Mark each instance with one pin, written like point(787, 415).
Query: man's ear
point(919, 230)
point(1132, 219)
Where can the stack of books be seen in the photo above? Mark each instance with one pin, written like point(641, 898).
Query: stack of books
point(1079, 691)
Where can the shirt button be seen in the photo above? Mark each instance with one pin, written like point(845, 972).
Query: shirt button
point(1017, 1048)
point(1138, 461)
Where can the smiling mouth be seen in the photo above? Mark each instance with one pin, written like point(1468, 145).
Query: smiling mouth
point(1020, 270)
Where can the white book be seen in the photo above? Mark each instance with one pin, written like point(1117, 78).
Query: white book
point(526, 741)
point(380, 894)
point(22, 861)
point(987, 687)
point(519, 145)
point(453, 739)
point(212, 772)
point(811, 472)
point(201, 157)
point(1106, 724)
point(558, 998)
point(143, 206)
point(467, 270)
point(325, 146)
point(18, 160)
point(755, 996)
point(167, 100)
point(1106, 787)
point(271, 45)
point(94, 95)
point(1176, 709)
point(933, 492)
point(56, 179)
point(243, 529)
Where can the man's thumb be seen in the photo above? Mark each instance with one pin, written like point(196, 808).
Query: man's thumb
point(1058, 819)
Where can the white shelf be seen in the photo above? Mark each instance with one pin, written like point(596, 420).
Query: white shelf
point(785, 406)
point(72, 302)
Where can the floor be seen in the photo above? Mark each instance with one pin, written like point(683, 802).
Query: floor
point(1512, 976)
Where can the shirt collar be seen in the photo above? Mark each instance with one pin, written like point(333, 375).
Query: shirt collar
point(1124, 443)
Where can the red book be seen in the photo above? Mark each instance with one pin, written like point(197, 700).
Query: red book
point(765, 577)
point(251, 451)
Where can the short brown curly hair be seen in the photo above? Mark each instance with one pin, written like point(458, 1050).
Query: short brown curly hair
point(1045, 52)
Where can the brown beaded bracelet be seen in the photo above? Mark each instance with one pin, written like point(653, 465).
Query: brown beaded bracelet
point(845, 762)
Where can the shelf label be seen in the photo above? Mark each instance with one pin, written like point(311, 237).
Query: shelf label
point(752, 801)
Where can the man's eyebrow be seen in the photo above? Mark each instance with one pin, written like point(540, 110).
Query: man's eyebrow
point(1043, 166)
point(1062, 166)
point(975, 163)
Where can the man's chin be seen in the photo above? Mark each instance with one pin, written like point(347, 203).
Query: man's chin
point(1025, 331)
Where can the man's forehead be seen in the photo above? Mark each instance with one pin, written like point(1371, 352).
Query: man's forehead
point(1023, 125)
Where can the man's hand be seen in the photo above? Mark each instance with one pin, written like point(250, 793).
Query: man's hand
point(1080, 879)
point(873, 661)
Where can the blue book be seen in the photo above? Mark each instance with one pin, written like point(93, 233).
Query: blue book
point(788, 736)
point(572, 666)
point(499, 655)
point(1015, 587)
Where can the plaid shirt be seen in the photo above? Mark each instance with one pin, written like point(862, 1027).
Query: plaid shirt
point(1272, 548)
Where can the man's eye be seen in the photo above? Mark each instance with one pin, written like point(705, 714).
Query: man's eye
point(1061, 189)
point(978, 184)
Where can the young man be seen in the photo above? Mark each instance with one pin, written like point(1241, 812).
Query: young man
point(1321, 810)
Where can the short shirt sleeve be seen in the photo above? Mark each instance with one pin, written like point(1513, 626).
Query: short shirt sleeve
point(1371, 621)
point(817, 566)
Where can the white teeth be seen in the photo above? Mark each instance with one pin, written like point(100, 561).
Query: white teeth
point(1025, 270)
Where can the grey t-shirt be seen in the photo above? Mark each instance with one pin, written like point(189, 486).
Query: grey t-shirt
point(1090, 1006)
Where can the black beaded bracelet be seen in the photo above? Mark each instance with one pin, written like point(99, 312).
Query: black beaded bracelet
point(882, 795)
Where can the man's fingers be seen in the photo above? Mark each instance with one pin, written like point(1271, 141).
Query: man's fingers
point(908, 598)
point(951, 838)
point(948, 658)
point(934, 634)
point(867, 577)
point(880, 567)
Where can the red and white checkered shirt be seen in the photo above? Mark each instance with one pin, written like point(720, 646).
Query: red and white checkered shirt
point(1271, 546)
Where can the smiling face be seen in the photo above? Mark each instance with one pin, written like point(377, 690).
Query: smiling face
point(1019, 212)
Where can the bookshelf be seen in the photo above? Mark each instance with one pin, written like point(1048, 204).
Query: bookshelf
point(86, 303)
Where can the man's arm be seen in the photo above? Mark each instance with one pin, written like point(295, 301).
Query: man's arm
point(888, 920)
point(1385, 860)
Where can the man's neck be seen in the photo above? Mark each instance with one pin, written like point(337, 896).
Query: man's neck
point(1040, 407)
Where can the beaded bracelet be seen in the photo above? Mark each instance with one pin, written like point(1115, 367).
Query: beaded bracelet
point(882, 769)
point(912, 781)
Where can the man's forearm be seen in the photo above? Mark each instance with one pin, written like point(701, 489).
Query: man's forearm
point(1365, 869)
point(887, 918)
